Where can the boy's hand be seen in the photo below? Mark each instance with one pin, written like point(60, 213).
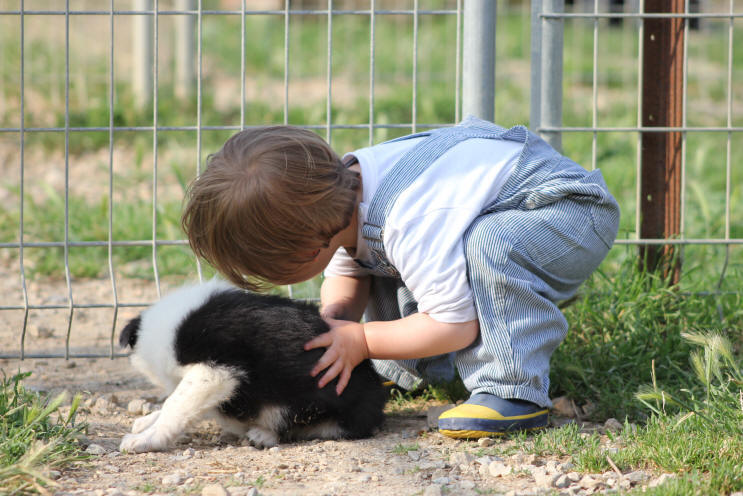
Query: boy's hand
point(346, 348)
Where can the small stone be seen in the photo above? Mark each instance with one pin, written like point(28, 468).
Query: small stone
point(542, 477)
point(54, 474)
point(364, 478)
point(432, 415)
point(611, 481)
point(96, 449)
point(114, 491)
point(214, 490)
point(564, 406)
point(589, 482)
point(441, 481)
point(172, 480)
point(135, 406)
point(484, 442)
point(275, 449)
point(147, 408)
point(637, 476)
point(498, 469)
point(573, 476)
point(252, 492)
point(625, 484)
point(661, 480)
point(433, 490)
point(588, 408)
point(70, 365)
point(460, 458)
point(467, 484)
point(414, 455)
point(103, 405)
point(613, 425)
point(553, 467)
point(561, 482)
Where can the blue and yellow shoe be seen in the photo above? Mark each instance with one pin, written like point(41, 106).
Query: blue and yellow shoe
point(486, 415)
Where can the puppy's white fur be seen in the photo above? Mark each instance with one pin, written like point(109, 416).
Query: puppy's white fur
point(195, 391)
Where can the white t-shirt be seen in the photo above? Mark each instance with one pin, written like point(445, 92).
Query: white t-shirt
point(423, 232)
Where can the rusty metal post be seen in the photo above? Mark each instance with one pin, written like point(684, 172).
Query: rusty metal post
point(662, 102)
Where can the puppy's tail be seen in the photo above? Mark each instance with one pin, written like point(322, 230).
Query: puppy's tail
point(130, 333)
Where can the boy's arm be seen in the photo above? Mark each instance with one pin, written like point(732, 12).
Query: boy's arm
point(344, 297)
point(415, 336)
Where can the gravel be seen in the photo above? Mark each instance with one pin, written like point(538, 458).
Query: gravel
point(206, 463)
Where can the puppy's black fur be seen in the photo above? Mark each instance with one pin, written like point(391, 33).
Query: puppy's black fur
point(261, 338)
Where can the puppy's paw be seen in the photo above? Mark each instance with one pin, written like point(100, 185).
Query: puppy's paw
point(262, 438)
point(145, 422)
point(149, 440)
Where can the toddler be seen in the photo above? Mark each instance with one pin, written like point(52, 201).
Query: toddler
point(454, 244)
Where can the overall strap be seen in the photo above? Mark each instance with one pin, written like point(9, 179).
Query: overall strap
point(411, 165)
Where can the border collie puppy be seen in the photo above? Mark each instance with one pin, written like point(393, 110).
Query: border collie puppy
point(239, 357)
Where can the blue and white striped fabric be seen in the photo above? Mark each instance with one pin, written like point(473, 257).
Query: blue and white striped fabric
point(549, 228)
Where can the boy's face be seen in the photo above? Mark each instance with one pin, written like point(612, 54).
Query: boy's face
point(316, 266)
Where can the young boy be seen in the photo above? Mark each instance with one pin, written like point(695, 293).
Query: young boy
point(456, 243)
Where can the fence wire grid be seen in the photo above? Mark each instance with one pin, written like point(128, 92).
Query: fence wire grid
point(106, 114)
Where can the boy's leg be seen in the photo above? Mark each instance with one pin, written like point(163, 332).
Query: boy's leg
point(520, 262)
point(389, 299)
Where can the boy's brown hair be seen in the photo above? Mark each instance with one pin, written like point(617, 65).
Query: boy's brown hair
point(266, 202)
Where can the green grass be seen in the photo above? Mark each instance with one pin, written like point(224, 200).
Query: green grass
point(34, 437)
point(695, 428)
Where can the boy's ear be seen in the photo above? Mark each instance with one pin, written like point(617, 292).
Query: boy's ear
point(130, 333)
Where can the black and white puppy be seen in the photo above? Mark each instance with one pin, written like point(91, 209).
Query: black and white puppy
point(220, 352)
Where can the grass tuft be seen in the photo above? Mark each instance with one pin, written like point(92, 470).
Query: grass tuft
point(34, 437)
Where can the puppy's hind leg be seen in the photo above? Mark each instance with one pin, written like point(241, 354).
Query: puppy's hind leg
point(202, 388)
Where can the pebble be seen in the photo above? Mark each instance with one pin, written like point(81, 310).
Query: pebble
point(639, 476)
point(214, 490)
point(135, 406)
point(661, 480)
point(589, 482)
point(564, 406)
point(441, 481)
point(498, 469)
point(96, 449)
point(461, 458)
point(414, 455)
point(172, 480)
point(484, 442)
point(275, 449)
point(561, 482)
point(103, 405)
point(613, 425)
point(467, 484)
point(573, 476)
point(433, 490)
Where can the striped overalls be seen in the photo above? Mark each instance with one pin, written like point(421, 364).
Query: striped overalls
point(549, 228)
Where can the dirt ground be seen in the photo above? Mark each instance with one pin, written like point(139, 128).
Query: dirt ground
point(406, 457)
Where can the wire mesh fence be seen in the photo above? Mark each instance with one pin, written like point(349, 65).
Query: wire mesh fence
point(107, 110)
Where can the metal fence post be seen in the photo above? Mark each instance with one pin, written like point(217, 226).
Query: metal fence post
point(550, 89)
point(478, 75)
point(662, 106)
point(185, 72)
point(535, 106)
point(142, 70)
